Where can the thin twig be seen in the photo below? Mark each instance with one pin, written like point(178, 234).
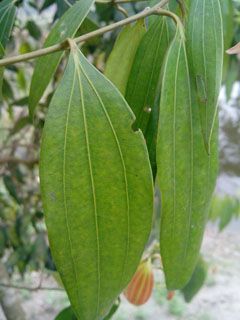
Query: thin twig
point(65, 45)
point(13, 286)
point(121, 9)
point(14, 160)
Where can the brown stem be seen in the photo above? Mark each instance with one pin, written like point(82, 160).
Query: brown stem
point(14, 160)
point(65, 45)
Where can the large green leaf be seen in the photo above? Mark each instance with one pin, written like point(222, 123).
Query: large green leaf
point(122, 56)
point(205, 52)
point(45, 66)
point(196, 282)
point(186, 174)
point(143, 84)
point(96, 187)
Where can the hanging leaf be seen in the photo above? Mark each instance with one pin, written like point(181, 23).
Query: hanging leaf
point(96, 187)
point(143, 83)
point(186, 174)
point(196, 282)
point(46, 66)
point(113, 309)
point(122, 56)
point(66, 314)
point(205, 43)
point(228, 30)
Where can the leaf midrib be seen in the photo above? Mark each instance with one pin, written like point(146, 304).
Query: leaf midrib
point(123, 166)
point(64, 181)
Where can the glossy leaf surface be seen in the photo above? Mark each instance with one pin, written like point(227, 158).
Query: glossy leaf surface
point(186, 174)
point(122, 56)
point(46, 66)
point(97, 188)
point(205, 43)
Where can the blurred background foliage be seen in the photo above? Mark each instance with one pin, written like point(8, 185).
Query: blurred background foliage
point(23, 238)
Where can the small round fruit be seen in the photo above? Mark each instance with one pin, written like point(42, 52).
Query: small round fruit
point(170, 295)
point(140, 288)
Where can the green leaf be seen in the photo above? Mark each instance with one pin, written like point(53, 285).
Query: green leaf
point(7, 17)
point(66, 314)
point(228, 31)
point(113, 309)
point(231, 76)
point(11, 188)
point(96, 187)
point(186, 174)
point(1, 83)
point(143, 84)
point(205, 44)
point(196, 282)
point(45, 66)
point(33, 29)
point(122, 56)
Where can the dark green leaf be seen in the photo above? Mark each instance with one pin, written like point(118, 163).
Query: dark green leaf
point(143, 84)
point(20, 124)
point(66, 314)
point(7, 17)
point(186, 174)
point(228, 30)
point(232, 75)
point(196, 282)
point(96, 187)
point(1, 83)
point(45, 67)
point(120, 61)
point(33, 29)
point(113, 309)
point(10, 186)
point(205, 52)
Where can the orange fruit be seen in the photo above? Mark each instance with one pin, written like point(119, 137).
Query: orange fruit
point(140, 288)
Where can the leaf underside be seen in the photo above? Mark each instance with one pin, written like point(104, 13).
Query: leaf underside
point(97, 188)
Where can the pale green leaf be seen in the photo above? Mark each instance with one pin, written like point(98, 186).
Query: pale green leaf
point(96, 186)
point(205, 52)
point(143, 83)
point(122, 56)
point(186, 174)
point(46, 66)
